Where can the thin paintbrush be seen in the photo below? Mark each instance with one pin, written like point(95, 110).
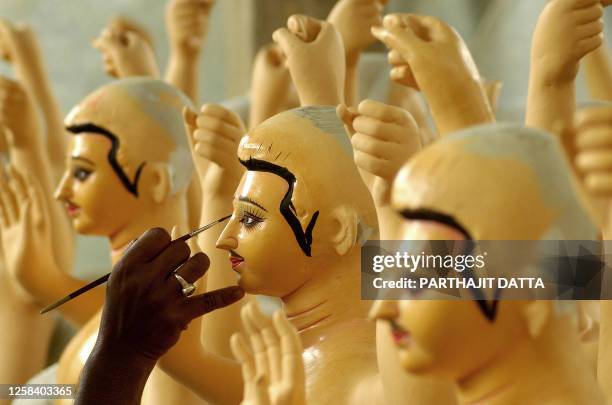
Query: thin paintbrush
point(104, 278)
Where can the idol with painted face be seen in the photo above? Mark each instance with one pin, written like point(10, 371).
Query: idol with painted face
point(295, 217)
point(128, 169)
point(300, 212)
point(499, 352)
point(127, 164)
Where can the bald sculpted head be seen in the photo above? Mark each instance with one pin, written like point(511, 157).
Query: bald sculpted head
point(131, 129)
point(301, 191)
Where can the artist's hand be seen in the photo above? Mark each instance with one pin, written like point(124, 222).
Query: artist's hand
point(353, 20)
point(566, 31)
point(272, 365)
point(214, 134)
point(315, 57)
point(126, 54)
point(24, 226)
point(271, 84)
point(145, 310)
point(187, 25)
point(18, 115)
point(384, 137)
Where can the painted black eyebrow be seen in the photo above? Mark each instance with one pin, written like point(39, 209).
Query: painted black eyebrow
point(431, 215)
point(131, 186)
point(89, 127)
point(487, 307)
point(84, 159)
point(250, 201)
point(303, 236)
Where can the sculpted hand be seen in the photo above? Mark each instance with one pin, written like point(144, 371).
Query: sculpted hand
point(187, 24)
point(428, 54)
point(270, 86)
point(18, 114)
point(272, 365)
point(594, 149)
point(566, 31)
point(18, 45)
point(25, 227)
point(353, 20)
point(126, 54)
point(315, 57)
point(145, 310)
point(384, 137)
point(214, 135)
point(429, 46)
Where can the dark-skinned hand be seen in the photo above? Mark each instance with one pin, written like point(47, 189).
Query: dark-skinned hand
point(145, 309)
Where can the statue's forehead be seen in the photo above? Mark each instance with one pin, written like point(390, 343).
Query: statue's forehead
point(294, 130)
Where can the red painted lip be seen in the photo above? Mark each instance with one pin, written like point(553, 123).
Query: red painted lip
point(235, 259)
point(235, 262)
point(401, 337)
point(72, 209)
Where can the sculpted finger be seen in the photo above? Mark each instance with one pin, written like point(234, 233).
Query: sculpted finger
point(224, 114)
point(385, 112)
point(17, 184)
point(599, 183)
point(291, 348)
point(243, 354)
point(271, 341)
point(347, 115)
point(286, 40)
point(595, 138)
point(305, 27)
point(219, 128)
point(376, 166)
point(8, 199)
point(257, 343)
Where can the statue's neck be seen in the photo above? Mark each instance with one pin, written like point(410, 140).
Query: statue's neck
point(532, 371)
point(167, 216)
point(329, 297)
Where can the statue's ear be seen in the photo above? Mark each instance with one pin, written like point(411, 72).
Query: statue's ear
point(156, 182)
point(346, 224)
point(537, 313)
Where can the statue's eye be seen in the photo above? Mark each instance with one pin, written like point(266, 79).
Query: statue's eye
point(250, 220)
point(81, 174)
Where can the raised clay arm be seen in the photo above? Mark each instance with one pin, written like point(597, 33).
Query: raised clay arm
point(440, 65)
point(566, 31)
point(126, 53)
point(26, 236)
point(353, 20)
point(272, 365)
point(594, 154)
point(384, 137)
point(187, 26)
point(202, 358)
point(19, 46)
point(270, 84)
point(598, 73)
point(314, 54)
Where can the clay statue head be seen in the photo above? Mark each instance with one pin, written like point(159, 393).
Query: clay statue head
point(127, 156)
point(300, 206)
point(494, 182)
